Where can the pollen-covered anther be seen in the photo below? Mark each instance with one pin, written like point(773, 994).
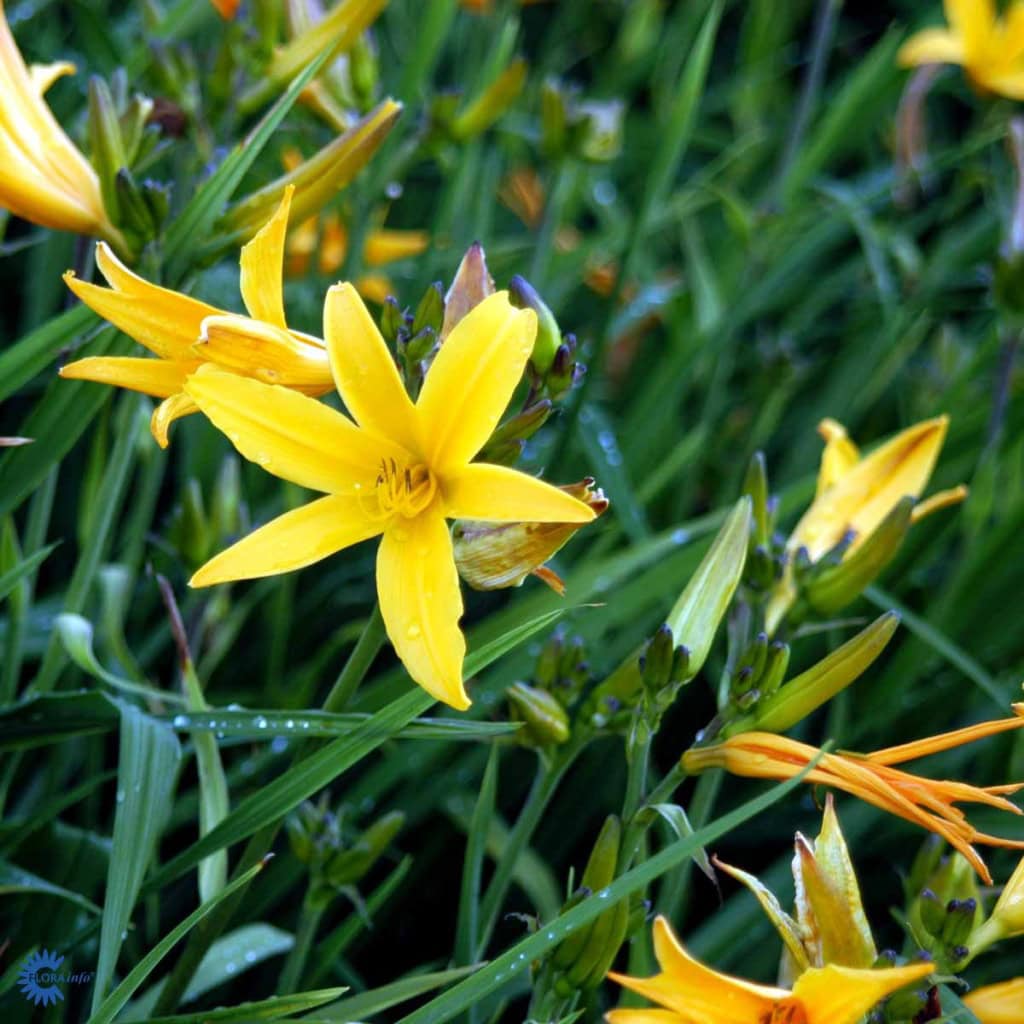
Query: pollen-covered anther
point(786, 1011)
point(404, 490)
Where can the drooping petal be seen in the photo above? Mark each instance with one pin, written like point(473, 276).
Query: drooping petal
point(931, 46)
point(44, 75)
point(364, 370)
point(697, 993)
point(164, 321)
point(501, 495)
point(472, 380)
point(292, 541)
point(160, 378)
point(169, 410)
point(262, 262)
point(292, 436)
point(842, 995)
point(267, 353)
point(421, 603)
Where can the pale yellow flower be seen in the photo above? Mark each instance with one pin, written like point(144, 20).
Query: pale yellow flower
point(692, 993)
point(398, 474)
point(45, 177)
point(183, 333)
point(990, 48)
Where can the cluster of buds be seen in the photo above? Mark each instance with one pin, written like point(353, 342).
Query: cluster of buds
point(766, 557)
point(543, 706)
point(123, 132)
point(589, 130)
point(756, 676)
point(583, 959)
point(317, 839)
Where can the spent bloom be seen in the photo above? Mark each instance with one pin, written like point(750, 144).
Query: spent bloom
point(998, 1004)
point(398, 472)
point(855, 494)
point(692, 993)
point(45, 179)
point(990, 48)
point(929, 803)
point(183, 333)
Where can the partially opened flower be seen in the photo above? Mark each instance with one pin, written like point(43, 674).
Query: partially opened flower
point(400, 473)
point(1007, 917)
point(855, 495)
point(998, 1004)
point(930, 803)
point(45, 178)
point(990, 48)
point(692, 993)
point(183, 333)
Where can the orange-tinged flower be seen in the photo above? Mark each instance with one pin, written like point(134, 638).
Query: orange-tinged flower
point(184, 333)
point(45, 177)
point(398, 474)
point(990, 48)
point(227, 9)
point(998, 1004)
point(929, 803)
point(692, 993)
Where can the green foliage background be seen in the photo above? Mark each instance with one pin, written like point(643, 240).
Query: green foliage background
point(778, 270)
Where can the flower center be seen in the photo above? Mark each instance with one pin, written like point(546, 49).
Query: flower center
point(404, 490)
point(787, 1011)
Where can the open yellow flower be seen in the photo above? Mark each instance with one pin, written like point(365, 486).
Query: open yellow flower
point(998, 1004)
point(855, 494)
point(692, 993)
point(45, 178)
point(929, 803)
point(400, 473)
point(184, 333)
point(990, 48)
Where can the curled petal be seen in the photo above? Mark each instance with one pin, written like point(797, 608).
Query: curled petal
point(931, 46)
point(160, 378)
point(166, 413)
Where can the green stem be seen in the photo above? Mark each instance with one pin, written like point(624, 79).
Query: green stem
point(366, 649)
point(546, 781)
point(638, 760)
point(291, 973)
point(561, 189)
point(638, 822)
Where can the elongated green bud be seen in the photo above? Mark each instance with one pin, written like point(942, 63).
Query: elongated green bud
point(755, 484)
point(523, 295)
point(933, 912)
point(351, 865)
point(546, 721)
point(656, 661)
point(430, 311)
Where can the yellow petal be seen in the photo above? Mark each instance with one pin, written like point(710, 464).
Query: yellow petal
point(166, 322)
point(166, 413)
point(498, 494)
point(972, 20)
point(262, 263)
point(842, 995)
point(697, 993)
point(644, 1017)
point(998, 1004)
point(292, 436)
point(421, 604)
point(364, 370)
point(44, 75)
point(291, 541)
point(472, 380)
point(839, 456)
point(386, 245)
point(270, 354)
point(160, 378)
point(941, 500)
point(931, 46)
point(1011, 86)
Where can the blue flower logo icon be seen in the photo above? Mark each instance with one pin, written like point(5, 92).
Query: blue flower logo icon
point(38, 978)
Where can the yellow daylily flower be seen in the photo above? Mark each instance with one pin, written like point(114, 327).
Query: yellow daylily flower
point(1007, 917)
point(988, 47)
point(929, 803)
point(998, 1004)
point(399, 471)
point(184, 333)
point(46, 179)
point(855, 494)
point(692, 993)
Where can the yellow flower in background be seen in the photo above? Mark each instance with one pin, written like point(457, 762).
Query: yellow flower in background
point(990, 48)
point(929, 803)
point(692, 993)
point(45, 179)
point(855, 494)
point(998, 1004)
point(399, 474)
point(184, 333)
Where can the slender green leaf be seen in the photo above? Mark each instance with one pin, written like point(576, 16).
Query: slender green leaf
point(366, 1004)
point(15, 880)
point(266, 1009)
point(10, 579)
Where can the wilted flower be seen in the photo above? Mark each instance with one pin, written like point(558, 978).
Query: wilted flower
point(929, 803)
point(400, 473)
point(45, 178)
point(692, 993)
point(184, 333)
point(990, 48)
point(998, 1004)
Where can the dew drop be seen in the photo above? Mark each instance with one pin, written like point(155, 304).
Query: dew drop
point(250, 957)
point(604, 193)
point(413, 631)
point(120, 796)
point(230, 967)
point(180, 721)
point(279, 744)
point(393, 190)
point(260, 722)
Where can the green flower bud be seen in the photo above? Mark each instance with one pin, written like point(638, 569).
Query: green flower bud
point(755, 484)
point(430, 311)
point(959, 922)
point(656, 661)
point(522, 295)
point(554, 119)
point(350, 866)
point(598, 130)
point(546, 722)
point(932, 911)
